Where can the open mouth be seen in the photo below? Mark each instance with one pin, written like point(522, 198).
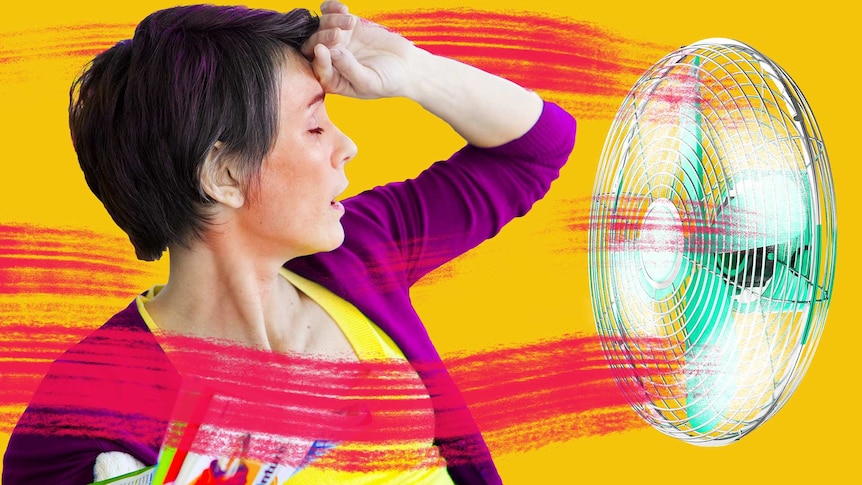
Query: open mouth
point(335, 204)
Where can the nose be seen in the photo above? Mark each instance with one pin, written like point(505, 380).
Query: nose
point(345, 150)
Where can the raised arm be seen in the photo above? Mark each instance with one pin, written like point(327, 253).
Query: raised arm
point(516, 146)
point(358, 58)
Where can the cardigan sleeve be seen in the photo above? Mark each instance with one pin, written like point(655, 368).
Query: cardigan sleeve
point(456, 204)
point(113, 391)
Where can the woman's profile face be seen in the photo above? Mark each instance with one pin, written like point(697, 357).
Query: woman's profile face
point(292, 210)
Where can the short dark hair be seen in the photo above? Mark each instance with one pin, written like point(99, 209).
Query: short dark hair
point(145, 114)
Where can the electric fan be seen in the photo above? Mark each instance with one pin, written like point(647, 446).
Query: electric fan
point(712, 242)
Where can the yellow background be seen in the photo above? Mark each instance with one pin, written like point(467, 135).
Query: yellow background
point(524, 285)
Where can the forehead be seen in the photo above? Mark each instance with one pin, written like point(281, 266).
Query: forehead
point(299, 87)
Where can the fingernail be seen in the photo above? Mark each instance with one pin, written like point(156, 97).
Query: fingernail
point(335, 53)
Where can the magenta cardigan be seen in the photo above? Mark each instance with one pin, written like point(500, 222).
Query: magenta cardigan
point(394, 235)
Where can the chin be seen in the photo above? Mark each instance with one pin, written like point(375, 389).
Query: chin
point(338, 241)
point(333, 242)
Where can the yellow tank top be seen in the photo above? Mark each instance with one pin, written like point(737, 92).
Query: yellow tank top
point(370, 343)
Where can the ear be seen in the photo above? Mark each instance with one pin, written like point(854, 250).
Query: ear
point(218, 178)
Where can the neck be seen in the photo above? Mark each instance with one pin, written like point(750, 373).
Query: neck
point(216, 291)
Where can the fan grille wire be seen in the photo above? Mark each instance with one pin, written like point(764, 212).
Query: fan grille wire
point(687, 207)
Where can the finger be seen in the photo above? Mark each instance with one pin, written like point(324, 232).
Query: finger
point(338, 20)
point(322, 66)
point(349, 69)
point(307, 50)
point(333, 6)
point(328, 37)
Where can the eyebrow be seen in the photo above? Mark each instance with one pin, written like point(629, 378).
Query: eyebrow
point(317, 99)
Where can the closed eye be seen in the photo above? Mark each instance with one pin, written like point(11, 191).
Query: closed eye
point(316, 131)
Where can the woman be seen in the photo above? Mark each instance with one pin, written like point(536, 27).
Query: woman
point(207, 134)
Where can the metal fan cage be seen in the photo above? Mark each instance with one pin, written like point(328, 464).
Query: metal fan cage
point(714, 180)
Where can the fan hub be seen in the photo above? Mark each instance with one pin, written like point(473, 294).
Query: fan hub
point(661, 243)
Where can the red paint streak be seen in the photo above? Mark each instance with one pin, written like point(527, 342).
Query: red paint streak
point(40, 260)
point(67, 41)
point(20, 238)
point(552, 391)
point(705, 226)
point(553, 54)
point(529, 387)
point(23, 261)
point(560, 56)
point(26, 352)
